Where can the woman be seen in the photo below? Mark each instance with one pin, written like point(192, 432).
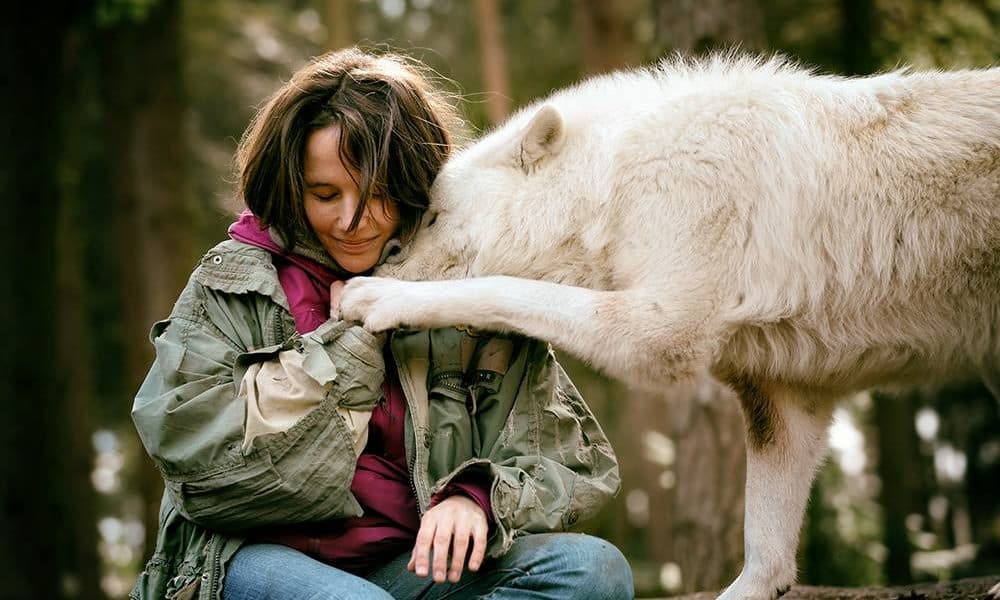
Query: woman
point(305, 457)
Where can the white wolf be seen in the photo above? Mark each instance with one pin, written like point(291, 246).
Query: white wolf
point(800, 236)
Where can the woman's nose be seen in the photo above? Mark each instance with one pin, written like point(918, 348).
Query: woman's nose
point(346, 208)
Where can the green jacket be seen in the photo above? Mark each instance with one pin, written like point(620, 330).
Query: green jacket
point(550, 461)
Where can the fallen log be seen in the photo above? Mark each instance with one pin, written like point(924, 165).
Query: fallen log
point(961, 589)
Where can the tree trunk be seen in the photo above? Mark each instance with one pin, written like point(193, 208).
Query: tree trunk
point(75, 385)
point(144, 134)
point(493, 56)
point(857, 35)
point(606, 29)
point(340, 23)
point(898, 470)
point(43, 551)
point(707, 537)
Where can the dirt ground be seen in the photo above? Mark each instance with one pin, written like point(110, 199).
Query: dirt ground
point(962, 589)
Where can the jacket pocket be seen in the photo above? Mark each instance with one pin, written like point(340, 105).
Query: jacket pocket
point(231, 499)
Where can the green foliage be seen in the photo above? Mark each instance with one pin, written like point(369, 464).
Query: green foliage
point(944, 33)
point(117, 12)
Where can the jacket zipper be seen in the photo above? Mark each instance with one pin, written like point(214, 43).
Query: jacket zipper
point(216, 570)
point(412, 460)
point(413, 484)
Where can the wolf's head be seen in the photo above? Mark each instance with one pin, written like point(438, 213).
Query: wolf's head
point(506, 205)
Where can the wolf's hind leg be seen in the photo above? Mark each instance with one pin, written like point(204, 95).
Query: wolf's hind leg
point(786, 442)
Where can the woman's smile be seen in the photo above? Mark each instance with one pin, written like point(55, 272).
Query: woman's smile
point(331, 200)
point(355, 246)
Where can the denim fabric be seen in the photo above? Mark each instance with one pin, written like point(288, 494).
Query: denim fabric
point(549, 566)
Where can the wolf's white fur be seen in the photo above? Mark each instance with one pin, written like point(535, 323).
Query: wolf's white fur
point(799, 236)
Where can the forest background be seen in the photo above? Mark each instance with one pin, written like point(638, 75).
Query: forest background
point(121, 118)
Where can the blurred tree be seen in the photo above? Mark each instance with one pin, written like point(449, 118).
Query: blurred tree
point(546, 28)
point(47, 549)
point(340, 23)
point(810, 31)
point(143, 118)
point(858, 25)
point(493, 58)
point(706, 505)
point(75, 374)
point(607, 34)
point(899, 472)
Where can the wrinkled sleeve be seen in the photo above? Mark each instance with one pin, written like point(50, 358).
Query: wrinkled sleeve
point(550, 463)
point(190, 416)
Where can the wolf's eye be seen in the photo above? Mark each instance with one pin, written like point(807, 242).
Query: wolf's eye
point(432, 219)
point(393, 253)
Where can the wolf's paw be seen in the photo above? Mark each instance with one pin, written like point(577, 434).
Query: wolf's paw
point(750, 587)
point(380, 304)
point(994, 593)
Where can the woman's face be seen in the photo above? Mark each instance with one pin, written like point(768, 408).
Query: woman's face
point(331, 199)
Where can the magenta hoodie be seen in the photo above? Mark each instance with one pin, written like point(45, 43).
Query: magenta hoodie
point(306, 283)
point(382, 482)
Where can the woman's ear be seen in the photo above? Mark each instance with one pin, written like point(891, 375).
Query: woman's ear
point(542, 137)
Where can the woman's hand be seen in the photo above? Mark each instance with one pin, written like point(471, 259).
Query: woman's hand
point(449, 525)
point(336, 291)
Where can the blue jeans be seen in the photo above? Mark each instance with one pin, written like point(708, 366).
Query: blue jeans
point(548, 565)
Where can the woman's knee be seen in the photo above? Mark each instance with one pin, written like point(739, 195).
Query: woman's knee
point(607, 574)
point(593, 568)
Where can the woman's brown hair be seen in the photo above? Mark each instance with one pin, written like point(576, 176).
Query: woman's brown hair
point(394, 131)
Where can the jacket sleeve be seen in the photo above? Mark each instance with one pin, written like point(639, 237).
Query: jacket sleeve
point(550, 462)
point(190, 416)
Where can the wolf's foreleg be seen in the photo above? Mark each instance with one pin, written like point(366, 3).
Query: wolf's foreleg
point(786, 442)
point(627, 334)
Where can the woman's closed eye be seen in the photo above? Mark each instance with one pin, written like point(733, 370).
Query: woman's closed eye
point(326, 196)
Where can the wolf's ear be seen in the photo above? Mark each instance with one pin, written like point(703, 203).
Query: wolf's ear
point(542, 137)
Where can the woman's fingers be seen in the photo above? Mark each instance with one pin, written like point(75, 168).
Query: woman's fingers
point(458, 551)
point(478, 544)
point(422, 548)
point(445, 531)
point(442, 542)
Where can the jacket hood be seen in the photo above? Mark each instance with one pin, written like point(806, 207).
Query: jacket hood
point(315, 261)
